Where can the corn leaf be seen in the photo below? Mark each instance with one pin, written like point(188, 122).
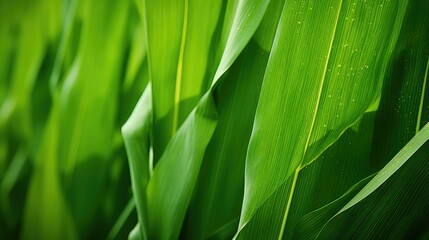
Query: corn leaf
point(406, 76)
point(182, 155)
point(322, 83)
point(136, 133)
point(178, 48)
point(247, 16)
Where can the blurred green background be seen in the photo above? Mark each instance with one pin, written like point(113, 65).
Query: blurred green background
point(70, 74)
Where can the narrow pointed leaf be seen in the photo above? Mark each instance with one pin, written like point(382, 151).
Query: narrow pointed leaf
point(241, 27)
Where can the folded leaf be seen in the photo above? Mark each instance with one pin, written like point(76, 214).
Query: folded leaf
point(136, 133)
point(240, 28)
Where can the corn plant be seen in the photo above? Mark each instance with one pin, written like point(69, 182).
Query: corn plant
point(216, 119)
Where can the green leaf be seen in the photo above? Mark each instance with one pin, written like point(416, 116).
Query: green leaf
point(239, 28)
point(396, 123)
point(177, 171)
point(178, 48)
point(317, 84)
point(136, 134)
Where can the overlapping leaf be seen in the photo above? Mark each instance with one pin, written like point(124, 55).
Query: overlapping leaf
point(383, 204)
point(178, 48)
point(136, 132)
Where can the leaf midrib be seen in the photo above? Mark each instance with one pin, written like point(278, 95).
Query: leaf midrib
point(422, 98)
point(179, 73)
